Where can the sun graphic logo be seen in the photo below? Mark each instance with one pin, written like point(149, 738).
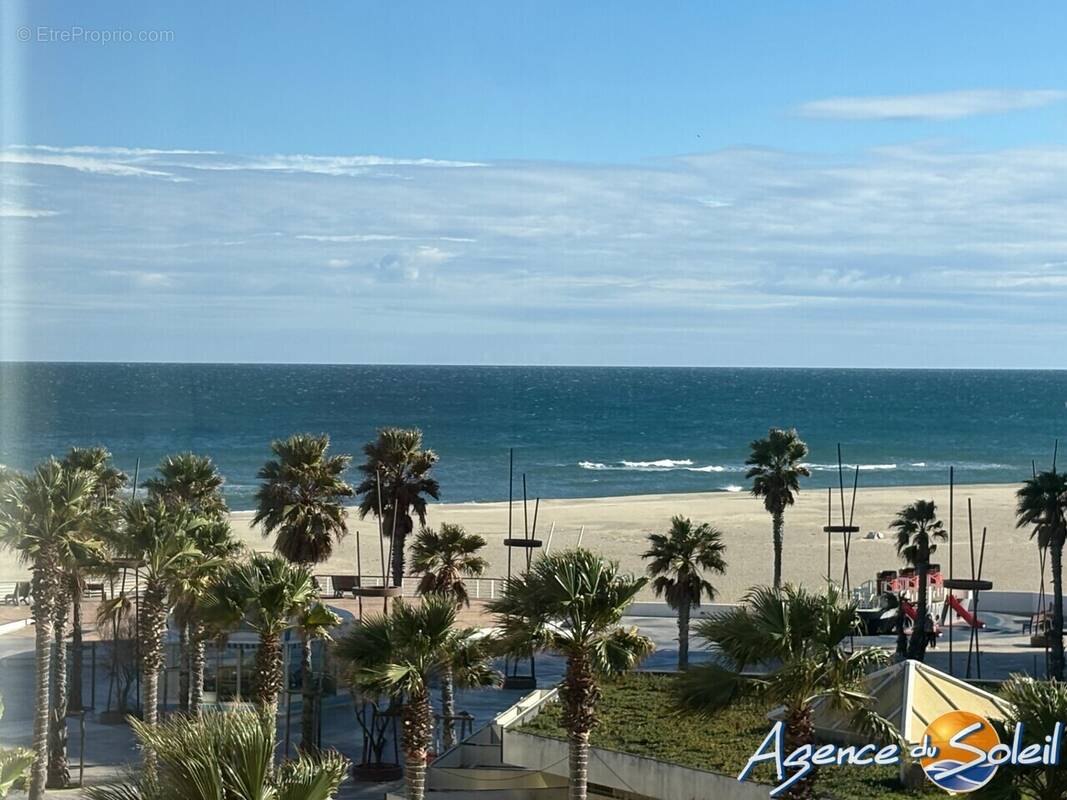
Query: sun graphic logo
point(958, 746)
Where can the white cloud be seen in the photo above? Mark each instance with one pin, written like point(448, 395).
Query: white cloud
point(743, 245)
point(10, 209)
point(932, 106)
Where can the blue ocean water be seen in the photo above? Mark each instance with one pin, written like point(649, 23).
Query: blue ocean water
point(576, 431)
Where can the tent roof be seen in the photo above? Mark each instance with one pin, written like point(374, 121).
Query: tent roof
point(911, 695)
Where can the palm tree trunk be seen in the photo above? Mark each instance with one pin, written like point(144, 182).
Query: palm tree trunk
point(917, 648)
point(267, 681)
point(448, 708)
point(580, 693)
point(197, 645)
point(778, 519)
point(683, 636)
point(799, 731)
point(577, 785)
point(153, 624)
point(1056, 634)
point(418, 732)
point(58, 767)
point(77, 701)
point(307, 692)
point(44, 589)
point(184, 655)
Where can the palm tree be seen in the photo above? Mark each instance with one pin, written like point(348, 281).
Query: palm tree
point(110, 481)
point(775, 468)
point(299, 499)
point(397, 471)
point(398, 654)
point(225, 755)
point(571, 603)
point(1042, 502)
point(40, 515)
point(679, 560)
point(918, 531)
point(15, 763)
point(314, 623)
point(1038, 706)
point(265, 593)
point(799, 636)
point(190, 480)
point(463, 667)
point(159, 539)
point(219, 548)
point(445, 558)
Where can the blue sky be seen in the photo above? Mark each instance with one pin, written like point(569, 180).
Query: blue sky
point(708, 183)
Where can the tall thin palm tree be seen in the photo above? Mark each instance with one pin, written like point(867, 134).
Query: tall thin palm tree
point(679, 561)
point(159, 539)
point(265, 593)
point(40, 515)
point(220, 549)
point(110, 481)
point(918, 532)
point(190, 481)
point(445, 558)
point(571, 603)
point(398, 654)
point(299, 501)
point(798, 636)
point(397, 471)
point(775, 469)
point(1042, 503)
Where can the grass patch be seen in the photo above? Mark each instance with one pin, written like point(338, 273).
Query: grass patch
point(636, 717)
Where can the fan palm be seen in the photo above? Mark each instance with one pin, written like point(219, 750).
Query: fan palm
point(110, 481)
point(398, 654)
point(41, 516)
point(299, 499)
point(219, 548)
point(159, 539)
point(918, 532)
point(445, 558)
point(15, 763)
point(800, 635)
point(397, 471)
point(265, 593)
point(571, 603)
point(1037, 706)
point(775, 469)
point(1042, 503)
point(225, 756)
point(680, 559)
point(314, 623)
point(192, 481)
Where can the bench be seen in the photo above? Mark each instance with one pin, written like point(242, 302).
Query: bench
point(20, 595)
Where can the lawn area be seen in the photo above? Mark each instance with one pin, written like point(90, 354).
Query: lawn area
point(634, 719)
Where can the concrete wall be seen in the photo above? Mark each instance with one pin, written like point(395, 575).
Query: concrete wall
point(638, 775)
point(1024, 603)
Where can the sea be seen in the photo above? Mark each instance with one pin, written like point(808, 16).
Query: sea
point(574, 431)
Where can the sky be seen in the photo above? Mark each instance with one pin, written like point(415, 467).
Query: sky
point(727, 183)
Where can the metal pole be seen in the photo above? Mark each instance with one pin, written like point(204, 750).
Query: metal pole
point(359, 576)
point(951, 572)
point(92, 678)
point(581, 532)
point(548, 544)
point(829, 523)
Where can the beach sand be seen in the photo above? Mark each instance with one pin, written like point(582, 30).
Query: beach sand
point(617, 526)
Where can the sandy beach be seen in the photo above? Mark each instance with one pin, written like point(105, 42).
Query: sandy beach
point(617, 526)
